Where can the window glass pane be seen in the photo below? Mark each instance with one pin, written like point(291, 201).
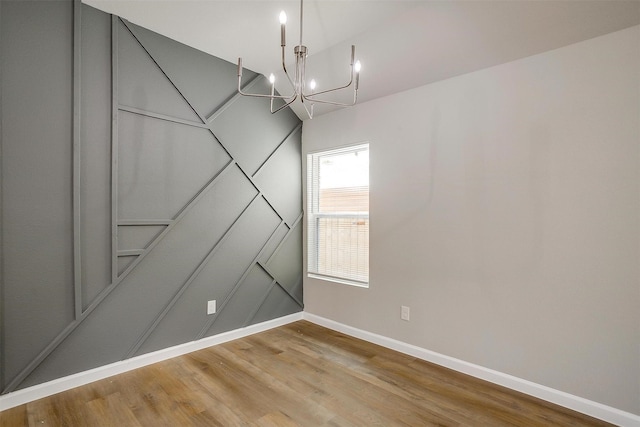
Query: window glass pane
point(338, 214)
point(344, 181)
point(350, 169)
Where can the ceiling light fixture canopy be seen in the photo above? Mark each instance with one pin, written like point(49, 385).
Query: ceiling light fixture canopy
point(299, 83)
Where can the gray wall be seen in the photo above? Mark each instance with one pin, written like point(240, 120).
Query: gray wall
point(505, 211)
point(136, 186)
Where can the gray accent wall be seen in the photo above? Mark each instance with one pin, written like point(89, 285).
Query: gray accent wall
point(136, 186)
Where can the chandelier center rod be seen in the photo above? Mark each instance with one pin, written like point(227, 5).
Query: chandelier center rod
point(301, 22)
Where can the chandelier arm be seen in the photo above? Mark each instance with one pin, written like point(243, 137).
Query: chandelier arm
point(286, 73)
point(309, 113)
point(340, 104)
point(353, 53)
point(311, 96)
point(259, 95)
point(282, 106)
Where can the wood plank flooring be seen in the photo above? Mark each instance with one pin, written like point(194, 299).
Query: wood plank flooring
point(297, 375)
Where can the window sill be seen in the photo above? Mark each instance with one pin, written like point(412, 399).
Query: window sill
point(338, 280)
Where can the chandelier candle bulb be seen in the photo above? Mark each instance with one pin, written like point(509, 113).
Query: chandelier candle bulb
point(272, 80)
point(283, 22)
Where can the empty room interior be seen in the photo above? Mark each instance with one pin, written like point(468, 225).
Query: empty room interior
point(319, 212)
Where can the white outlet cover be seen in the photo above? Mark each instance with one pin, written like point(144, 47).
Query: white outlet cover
point(404, 313)
point(211, 306)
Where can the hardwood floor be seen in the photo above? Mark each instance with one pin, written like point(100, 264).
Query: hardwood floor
point(297, 375)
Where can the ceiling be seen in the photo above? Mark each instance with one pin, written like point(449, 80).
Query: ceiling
point(402, 44)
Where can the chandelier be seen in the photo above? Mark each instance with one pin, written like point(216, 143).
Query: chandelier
point(301, 90)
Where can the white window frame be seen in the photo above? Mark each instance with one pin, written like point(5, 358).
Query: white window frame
point(313, 214)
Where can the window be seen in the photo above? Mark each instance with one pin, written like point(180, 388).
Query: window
point(338, 215)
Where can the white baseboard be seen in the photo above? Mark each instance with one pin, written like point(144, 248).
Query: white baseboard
point(39, 391)
point(576, 403)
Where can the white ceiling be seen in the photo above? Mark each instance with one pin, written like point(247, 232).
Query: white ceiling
point(402, 44)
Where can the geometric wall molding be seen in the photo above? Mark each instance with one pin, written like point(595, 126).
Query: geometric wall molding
point(183, 192)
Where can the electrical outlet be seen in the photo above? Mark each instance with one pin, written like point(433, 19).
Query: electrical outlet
point(404, 312)
point(211, 306)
